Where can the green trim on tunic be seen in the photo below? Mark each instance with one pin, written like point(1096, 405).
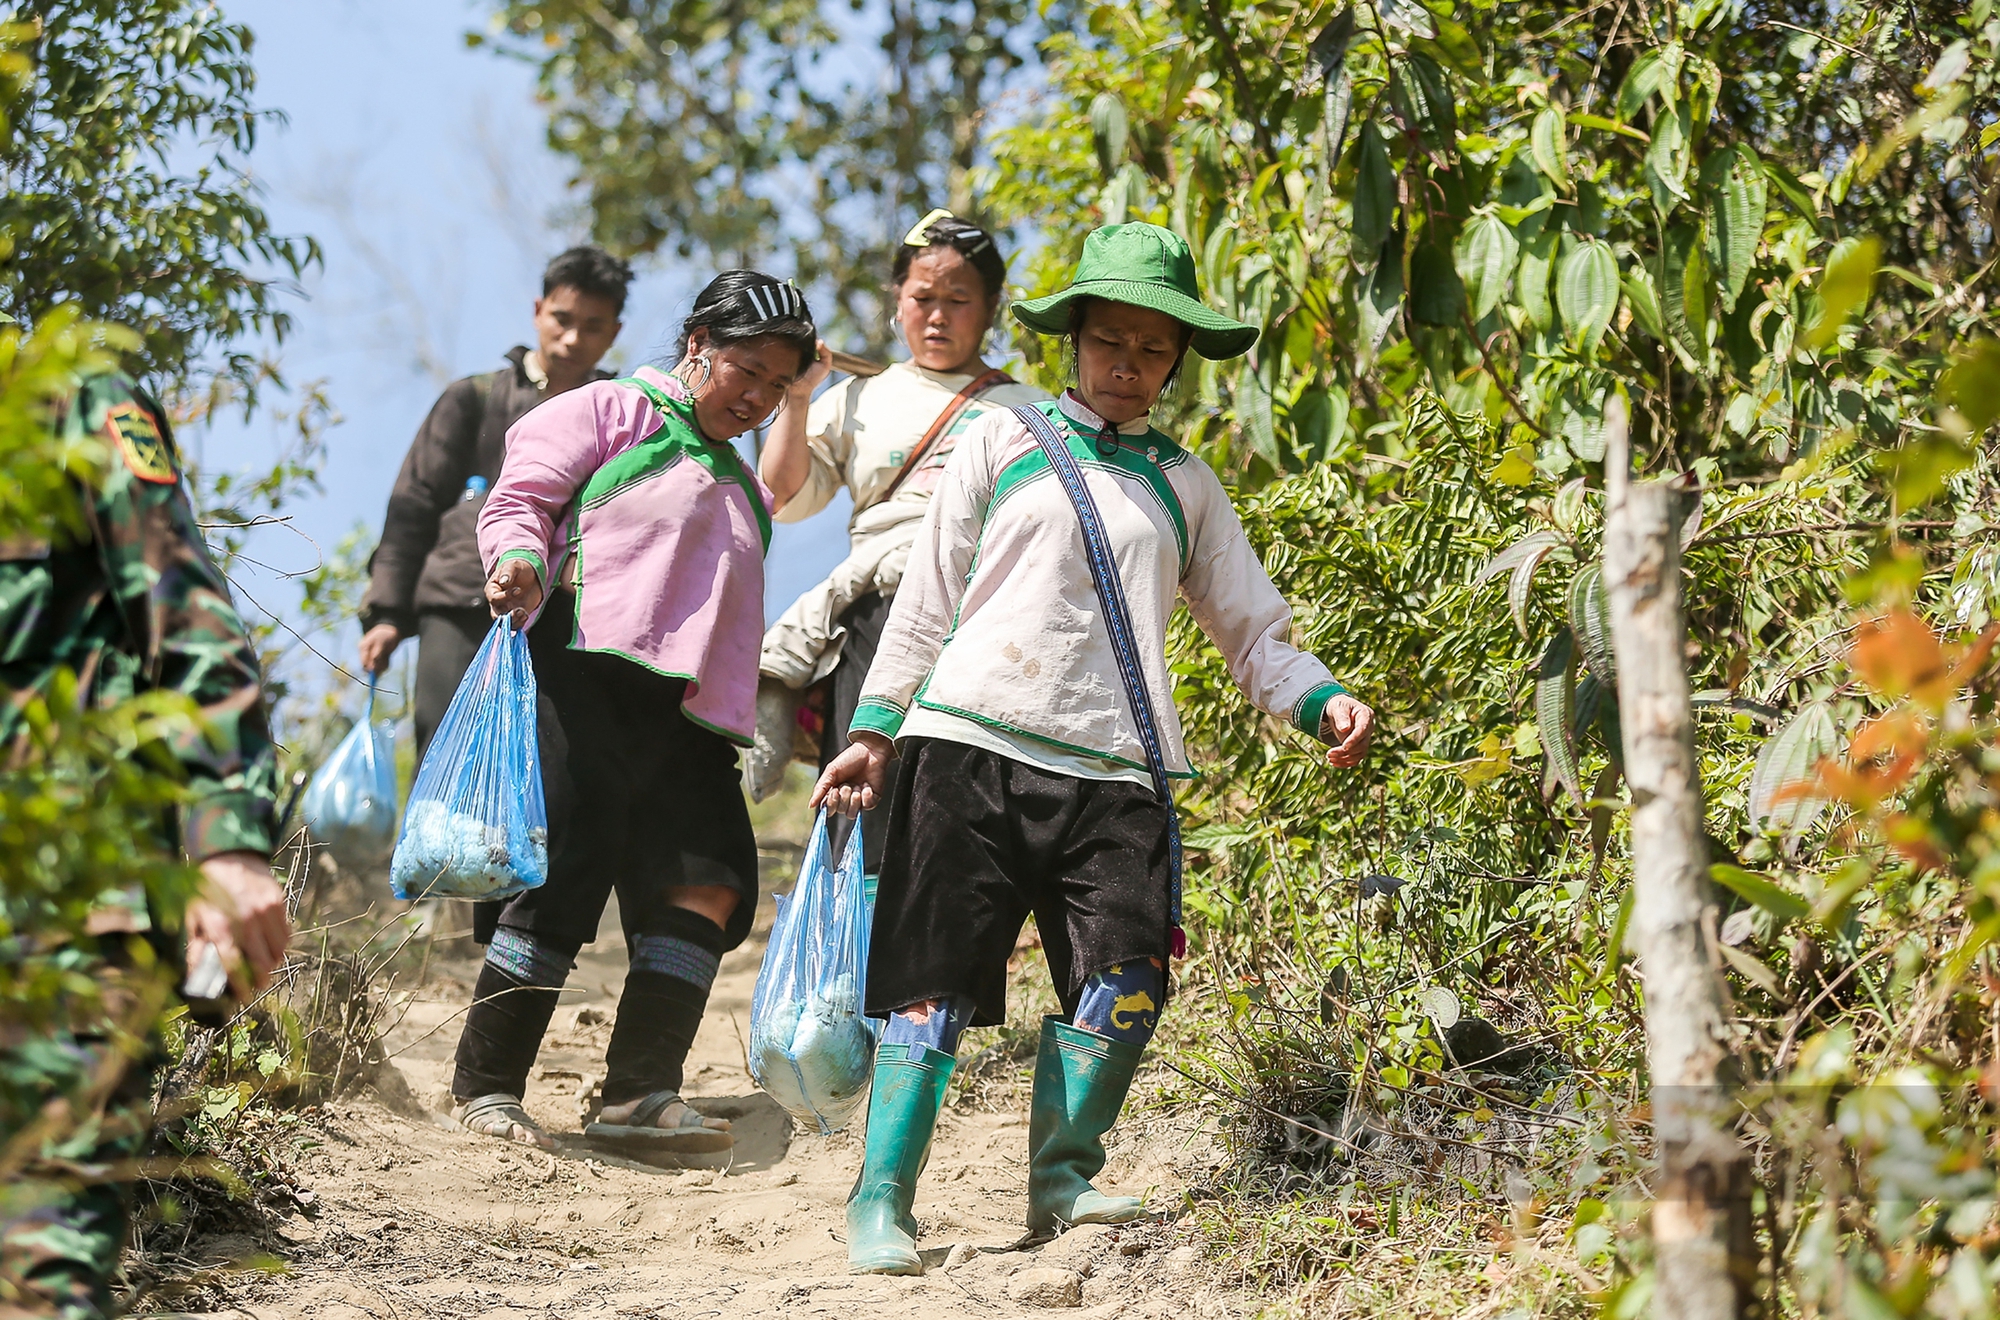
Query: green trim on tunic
point(534, 561)
point(677, 436)
point(1310, 711)
point(876, 716)
point(1129, 458)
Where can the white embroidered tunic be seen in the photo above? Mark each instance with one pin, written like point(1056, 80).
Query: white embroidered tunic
point(997, 639)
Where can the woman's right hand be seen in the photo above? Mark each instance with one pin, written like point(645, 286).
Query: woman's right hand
point(514, 590)
point(856, 779)
point(801, 390)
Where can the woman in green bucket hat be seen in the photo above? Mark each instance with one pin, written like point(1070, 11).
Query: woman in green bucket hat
point(1021, 687)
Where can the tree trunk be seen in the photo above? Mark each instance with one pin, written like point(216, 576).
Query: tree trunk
point(1701, 1214)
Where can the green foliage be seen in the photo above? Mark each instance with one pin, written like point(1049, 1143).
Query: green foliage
point(718, 131)
point(127, 132)
point(1747, 246)
point(1672, 204)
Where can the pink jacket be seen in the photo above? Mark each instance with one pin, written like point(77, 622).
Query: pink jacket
point(668, 531)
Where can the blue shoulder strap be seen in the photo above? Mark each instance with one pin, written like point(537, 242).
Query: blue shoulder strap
point(1118, 621)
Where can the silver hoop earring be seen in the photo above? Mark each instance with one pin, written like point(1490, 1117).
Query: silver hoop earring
point(694, 388)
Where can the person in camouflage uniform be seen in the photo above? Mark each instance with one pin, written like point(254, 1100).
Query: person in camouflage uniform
point(137, 605)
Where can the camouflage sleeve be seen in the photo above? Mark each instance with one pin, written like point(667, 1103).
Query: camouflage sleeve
point(188, 635)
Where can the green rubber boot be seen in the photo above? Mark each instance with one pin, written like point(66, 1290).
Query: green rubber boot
point(1080, 1083)
point(902, 1115)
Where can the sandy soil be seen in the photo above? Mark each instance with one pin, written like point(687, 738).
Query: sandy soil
point(412, 1218)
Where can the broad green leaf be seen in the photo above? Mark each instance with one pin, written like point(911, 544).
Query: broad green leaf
point(1517, 467)
point(1651, 72)
point(1532, 286)
point(1380, 296)
point(1253, 413)
point(1374, 192)
point(1645, 304)
point(1549, 141)
point(1585, 432)
point(1109, 132)
point(1485, 253)
point(1328, 52)
point(1339, 100)
point(1407, 16)
point(1780, 903)
point(1972, 385)
point(1736, 222)
point(1530, 547)
point(1436, 296)
point(1590, 620)
point(1430, 100)
point(1666, 160)
point(1587, 291)
point(1514, 215)
point(1217, 255)
point(1318, 421)
point(1684, 291)
point(1455, 48)
point(1784, 769)
point(1845, 286)
point(1555, 711)
point(1794, 192)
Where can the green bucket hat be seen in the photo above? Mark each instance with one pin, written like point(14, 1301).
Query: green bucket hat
point(1145, 266)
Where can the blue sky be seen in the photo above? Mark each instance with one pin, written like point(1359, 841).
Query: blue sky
point(419, 165)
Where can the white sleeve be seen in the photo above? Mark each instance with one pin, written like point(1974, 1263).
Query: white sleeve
point(934, 580)
point(1236, 604)
point(829, 449)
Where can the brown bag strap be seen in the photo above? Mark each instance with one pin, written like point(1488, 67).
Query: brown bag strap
point(952, 412)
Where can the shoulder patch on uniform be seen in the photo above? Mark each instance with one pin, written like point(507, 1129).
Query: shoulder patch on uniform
point(139, 441)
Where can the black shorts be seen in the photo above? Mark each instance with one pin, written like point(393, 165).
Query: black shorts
point(976, 842)
point(640, 797)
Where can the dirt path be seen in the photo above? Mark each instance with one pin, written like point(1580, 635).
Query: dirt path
point(415, 1220)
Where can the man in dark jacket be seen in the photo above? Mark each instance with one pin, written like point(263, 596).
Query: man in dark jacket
point(425, 579)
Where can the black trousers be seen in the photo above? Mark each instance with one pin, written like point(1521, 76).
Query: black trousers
point(446, 643)
point(640, 798)
point(976, 841)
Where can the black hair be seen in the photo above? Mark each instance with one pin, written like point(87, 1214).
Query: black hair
point(1080, 307)
point(748, 304)
point(589, 270)
point(969, 241)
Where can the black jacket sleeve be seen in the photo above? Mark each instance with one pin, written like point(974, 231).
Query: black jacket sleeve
point(432, 480)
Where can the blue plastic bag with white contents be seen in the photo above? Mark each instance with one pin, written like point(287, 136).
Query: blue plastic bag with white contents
point(811, 1048)
point(350, 805)
point(477, 825)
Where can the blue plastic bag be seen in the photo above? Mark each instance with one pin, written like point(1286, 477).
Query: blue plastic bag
point(351, 803)
point(477, 825)
point(810, 1047)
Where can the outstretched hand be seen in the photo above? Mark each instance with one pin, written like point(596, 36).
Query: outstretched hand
point(856, 779)
point(1347, 725)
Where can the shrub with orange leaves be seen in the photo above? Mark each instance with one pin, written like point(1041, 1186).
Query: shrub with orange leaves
point(1904, 660)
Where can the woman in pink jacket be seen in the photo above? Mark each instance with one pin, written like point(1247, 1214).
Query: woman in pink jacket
point(628, 535)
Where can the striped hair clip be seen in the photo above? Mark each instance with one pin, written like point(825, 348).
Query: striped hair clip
point(778, 300)
point(920, 234)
